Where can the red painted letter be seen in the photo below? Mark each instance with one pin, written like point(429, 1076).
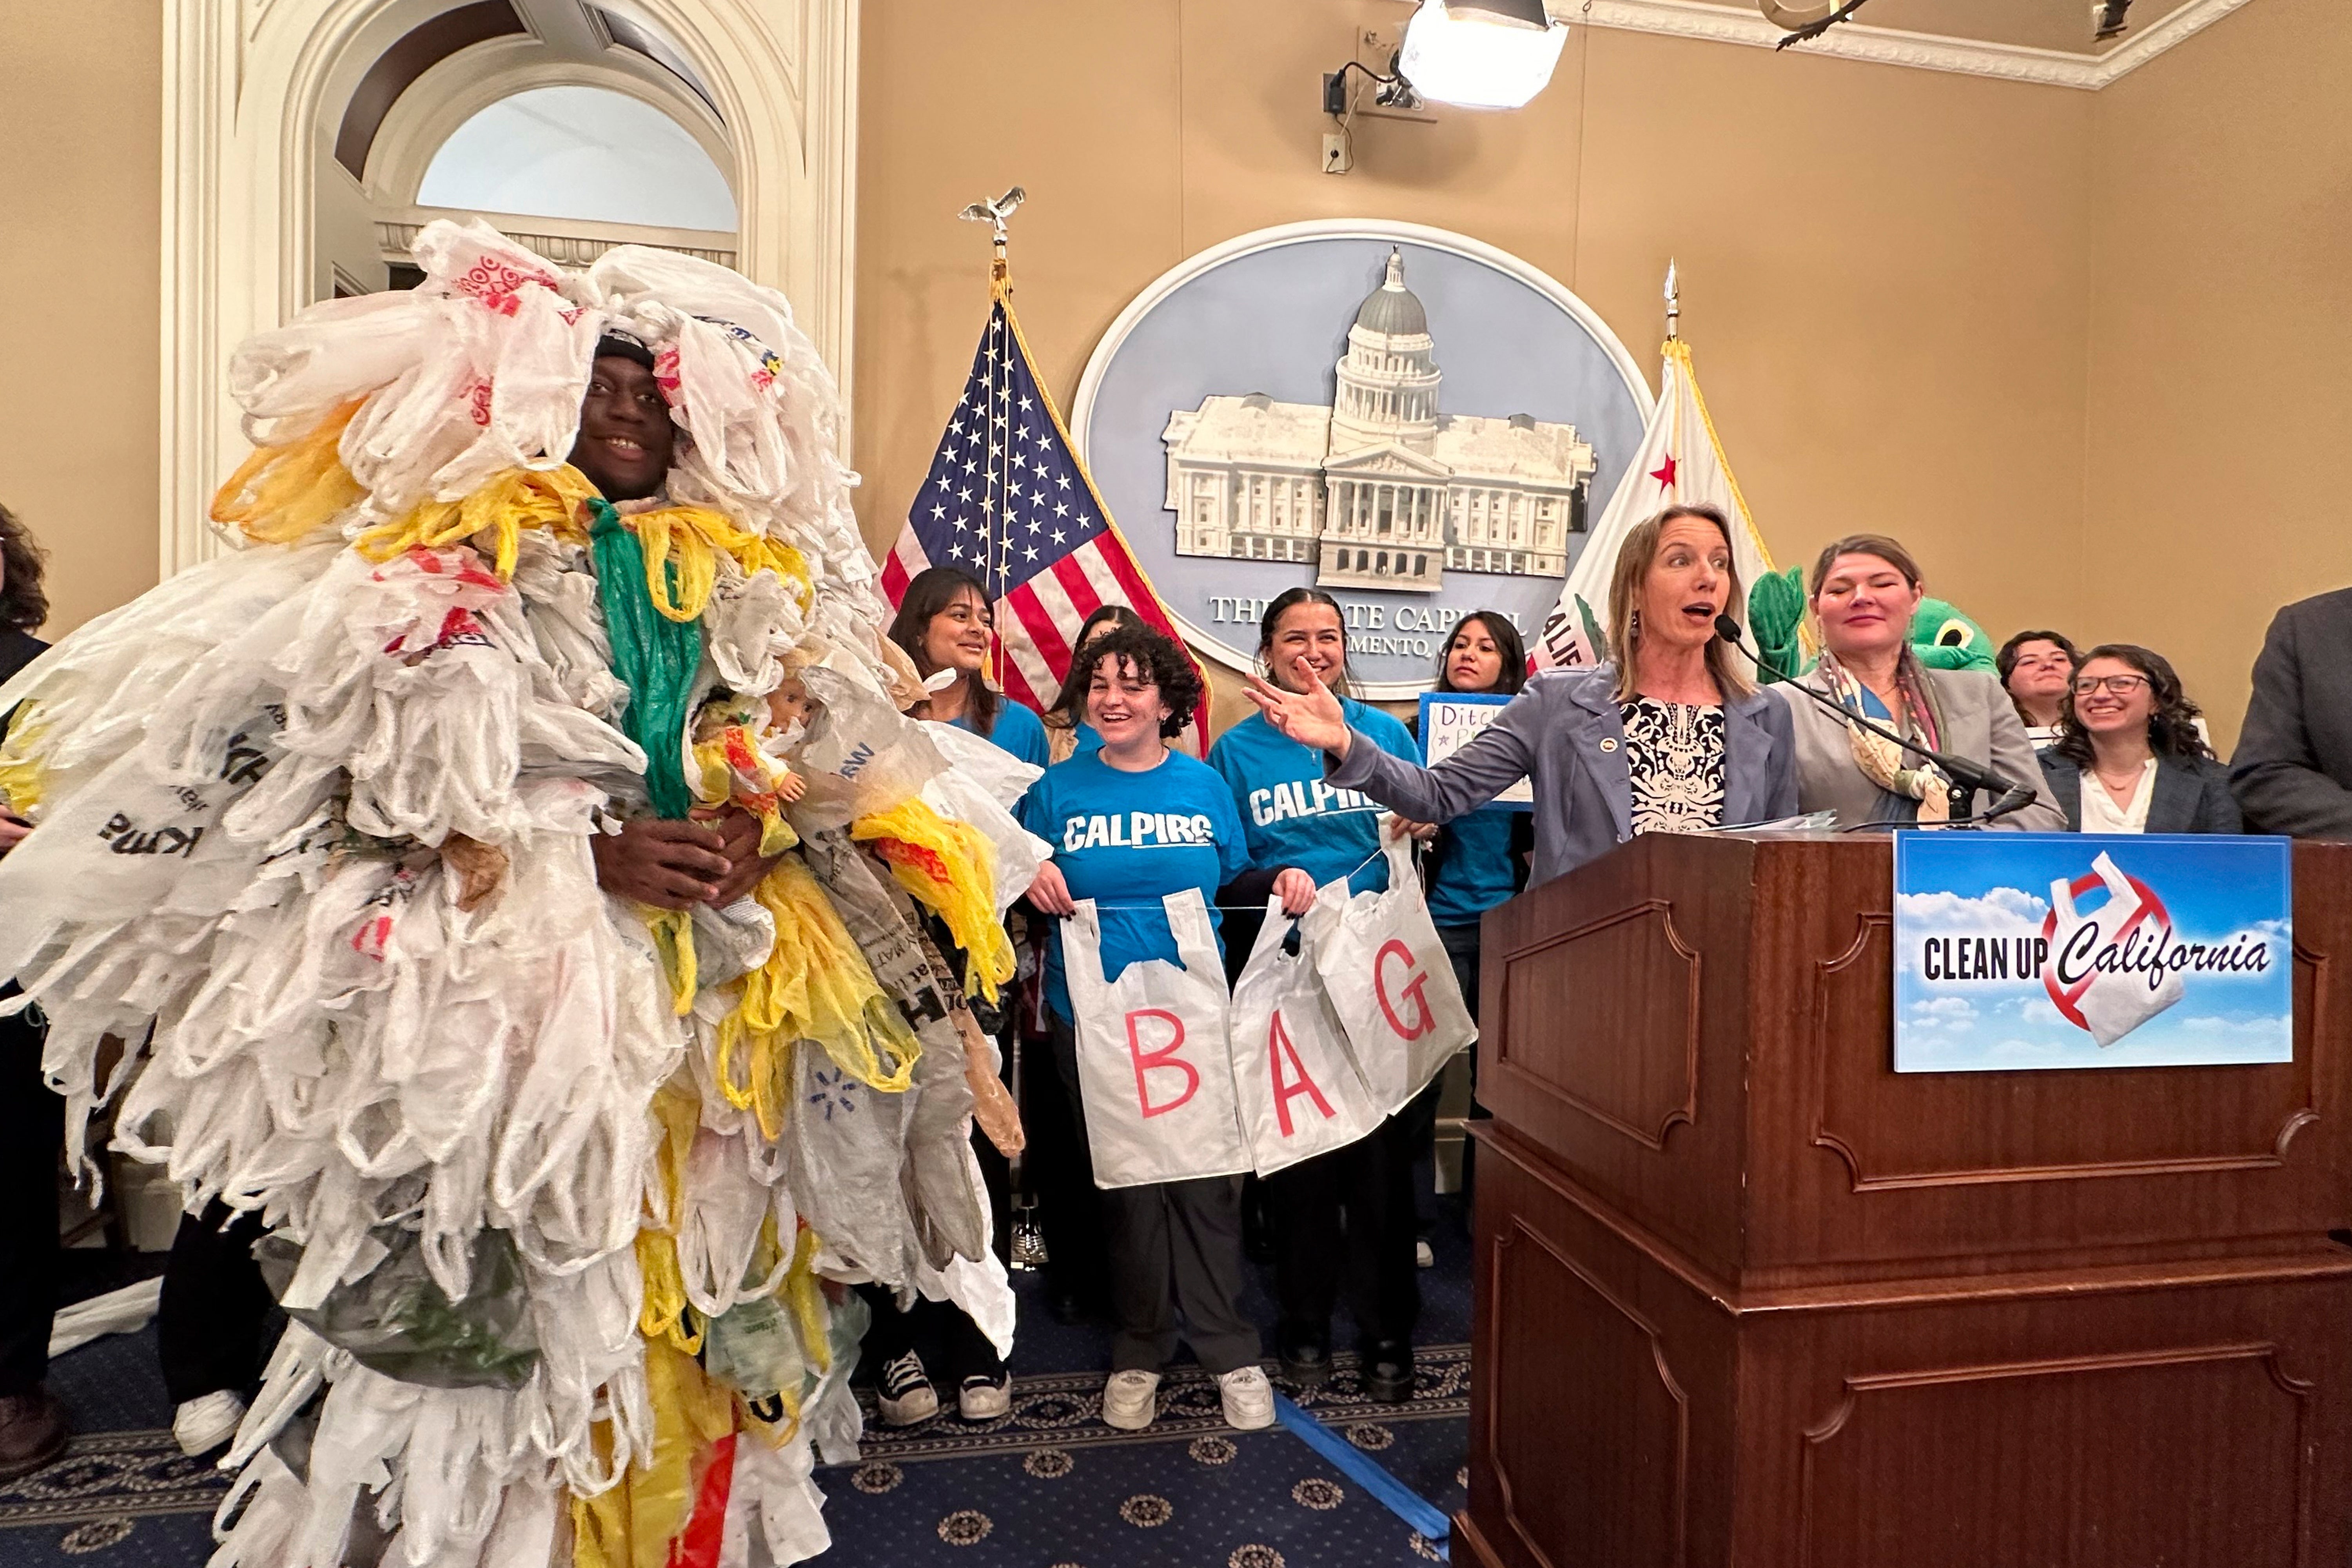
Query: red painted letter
point(1164, 1056)
point(1278, 1046)
point(1425, 1023)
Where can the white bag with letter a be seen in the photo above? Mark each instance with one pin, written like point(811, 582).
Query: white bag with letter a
point(1389, 981)
point(1155, 1066)
point(1300, 1093)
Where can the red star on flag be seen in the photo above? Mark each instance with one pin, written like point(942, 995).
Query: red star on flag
point(1665, 475)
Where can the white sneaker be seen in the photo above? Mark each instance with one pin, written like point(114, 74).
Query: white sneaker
point(1423, 1257)
point(207, 1422)
point(1130, 1400)
point(981, 1399)
point(907, 1394)
point(1248, 1398)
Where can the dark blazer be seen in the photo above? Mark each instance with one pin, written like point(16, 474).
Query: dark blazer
point(2191, 794)
point(1564, 733)
point(2292, 770)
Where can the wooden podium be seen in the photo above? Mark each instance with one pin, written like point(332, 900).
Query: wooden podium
point(1747, 1297)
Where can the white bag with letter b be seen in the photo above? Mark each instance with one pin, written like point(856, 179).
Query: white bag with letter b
point(1389, 981)
point(1300, 1093)
point(1155, 1067)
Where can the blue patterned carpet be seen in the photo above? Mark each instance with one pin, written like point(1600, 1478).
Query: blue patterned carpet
point(1046, 1486)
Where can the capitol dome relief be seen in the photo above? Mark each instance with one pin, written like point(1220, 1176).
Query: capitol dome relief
point(1378, 489)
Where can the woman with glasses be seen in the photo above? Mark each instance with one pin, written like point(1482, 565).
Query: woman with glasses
point(2129, 758)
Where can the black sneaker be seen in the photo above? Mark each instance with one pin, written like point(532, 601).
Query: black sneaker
point(33, 1432)
point(1385, 1369)
point(1304, 1363)
point(906, 1393)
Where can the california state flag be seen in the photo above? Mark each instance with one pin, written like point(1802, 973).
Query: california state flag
point(1680, 463)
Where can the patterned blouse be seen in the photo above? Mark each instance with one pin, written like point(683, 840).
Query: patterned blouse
point(1675, 752)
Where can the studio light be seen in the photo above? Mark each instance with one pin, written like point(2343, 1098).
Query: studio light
point(1481, 54)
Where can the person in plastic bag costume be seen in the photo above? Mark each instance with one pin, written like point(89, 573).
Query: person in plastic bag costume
point(499, 874)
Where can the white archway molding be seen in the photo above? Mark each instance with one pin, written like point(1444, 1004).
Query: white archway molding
point(243, 85)
point(471, 81)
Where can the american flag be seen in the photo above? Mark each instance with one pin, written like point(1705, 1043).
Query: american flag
point(1008, 501)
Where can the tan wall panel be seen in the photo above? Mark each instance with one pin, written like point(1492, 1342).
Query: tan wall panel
point(1885, 269)
point(80, 138)
point(2221, 344)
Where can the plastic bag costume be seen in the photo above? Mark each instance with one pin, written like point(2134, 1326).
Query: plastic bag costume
point(561, 1191)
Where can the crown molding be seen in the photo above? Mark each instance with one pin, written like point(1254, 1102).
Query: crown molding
point(1920, 51)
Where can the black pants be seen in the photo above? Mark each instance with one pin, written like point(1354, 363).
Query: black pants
point(950, 1344)
point(215, 1308)
point(1174, 1247)
point(1054, 1170)
point(1345, 1220)
point(32, 1141)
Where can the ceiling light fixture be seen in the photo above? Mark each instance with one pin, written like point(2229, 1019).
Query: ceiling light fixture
point(1481, 54)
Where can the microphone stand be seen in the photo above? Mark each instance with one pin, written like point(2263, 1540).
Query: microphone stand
point(1967, 777)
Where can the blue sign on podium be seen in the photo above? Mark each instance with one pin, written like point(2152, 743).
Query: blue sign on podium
point(2024, 951)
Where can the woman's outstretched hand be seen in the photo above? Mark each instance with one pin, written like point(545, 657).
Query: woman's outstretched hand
point(1312, 716)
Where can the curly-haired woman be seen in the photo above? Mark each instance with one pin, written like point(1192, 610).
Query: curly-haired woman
point(1175, 1246)
point(2129, 758)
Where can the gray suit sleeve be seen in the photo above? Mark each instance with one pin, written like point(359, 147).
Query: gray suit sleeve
point(2217, 808)
point(1503, 753)
point(2277, 778)
point(2013, 756)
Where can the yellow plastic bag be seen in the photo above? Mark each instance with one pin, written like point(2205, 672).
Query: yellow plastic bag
point(949, 867)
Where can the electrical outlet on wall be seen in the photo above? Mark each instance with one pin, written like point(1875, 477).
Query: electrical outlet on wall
point(1376, 52)
point(1336, 160)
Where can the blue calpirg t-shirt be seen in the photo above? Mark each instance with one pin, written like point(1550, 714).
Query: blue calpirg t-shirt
point(1125, 840)
point(1292, 815)
point(1017, 730)
point(1476, 873)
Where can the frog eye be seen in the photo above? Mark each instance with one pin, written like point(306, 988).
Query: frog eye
point(1955, 633)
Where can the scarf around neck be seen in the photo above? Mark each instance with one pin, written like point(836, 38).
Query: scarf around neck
point(1916, 714)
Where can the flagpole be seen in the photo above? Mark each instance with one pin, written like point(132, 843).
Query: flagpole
point(995, 505)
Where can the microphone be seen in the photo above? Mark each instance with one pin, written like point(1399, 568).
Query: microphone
point(2010, 796)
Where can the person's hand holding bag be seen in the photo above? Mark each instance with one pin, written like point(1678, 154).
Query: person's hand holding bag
point(1295, 888)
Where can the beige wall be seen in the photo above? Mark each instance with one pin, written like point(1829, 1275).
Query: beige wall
point(2220, 430)
point(80, 173)
point(2092, 353)
point(1884, 270)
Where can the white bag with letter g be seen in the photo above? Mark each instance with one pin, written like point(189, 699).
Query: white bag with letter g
point(1155, 1065)
point(1389, 982)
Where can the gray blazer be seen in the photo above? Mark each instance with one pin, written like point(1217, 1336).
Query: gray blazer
point(2191, 794)
point(1979, 723)
point(2292, 770)
point(1564, 733)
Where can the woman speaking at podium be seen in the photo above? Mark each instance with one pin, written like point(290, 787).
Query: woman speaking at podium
point(1864, 592)
point(1671, 738)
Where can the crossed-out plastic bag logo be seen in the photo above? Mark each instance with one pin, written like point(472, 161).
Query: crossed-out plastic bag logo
point(2106, 972)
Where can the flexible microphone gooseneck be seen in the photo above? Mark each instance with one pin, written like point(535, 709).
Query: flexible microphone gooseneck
point(2009, 794)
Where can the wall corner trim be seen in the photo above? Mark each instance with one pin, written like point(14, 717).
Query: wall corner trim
point(1716, 23)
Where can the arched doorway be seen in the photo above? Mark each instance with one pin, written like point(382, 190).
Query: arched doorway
point(297, 141)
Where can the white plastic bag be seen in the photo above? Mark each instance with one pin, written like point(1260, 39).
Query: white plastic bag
point(1389, 982)
point(1155, 1066)
point(2109, 1006)
point(1299, 1091)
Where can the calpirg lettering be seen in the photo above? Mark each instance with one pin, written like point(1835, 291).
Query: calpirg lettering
point(1304, 797)
point(1138, 830)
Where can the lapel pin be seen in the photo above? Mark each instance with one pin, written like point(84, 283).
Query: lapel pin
point(1609, 743)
